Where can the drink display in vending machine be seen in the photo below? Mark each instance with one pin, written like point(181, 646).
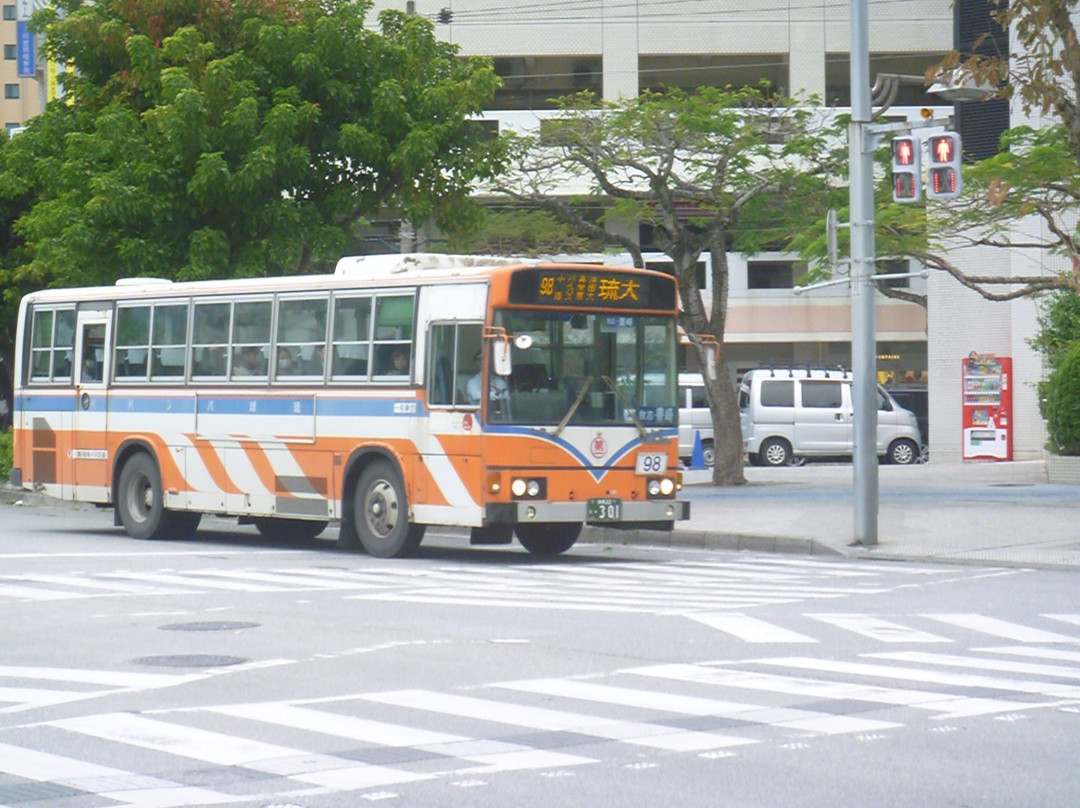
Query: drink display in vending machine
point(987, 407)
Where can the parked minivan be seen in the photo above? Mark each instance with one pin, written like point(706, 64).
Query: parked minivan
point(694, 418)
point(796, 413)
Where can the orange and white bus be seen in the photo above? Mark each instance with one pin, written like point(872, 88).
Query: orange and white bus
point(502, 395)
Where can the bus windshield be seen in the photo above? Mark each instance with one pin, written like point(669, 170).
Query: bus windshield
point(587, 369)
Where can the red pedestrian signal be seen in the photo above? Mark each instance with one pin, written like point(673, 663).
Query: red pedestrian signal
point(906, 169)
point(945, 180)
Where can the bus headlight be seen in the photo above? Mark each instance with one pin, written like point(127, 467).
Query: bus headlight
point(667, 486)
point(660, 487)
point(528, 488)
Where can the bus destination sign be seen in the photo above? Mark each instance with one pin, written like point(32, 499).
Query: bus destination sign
point(591, 289)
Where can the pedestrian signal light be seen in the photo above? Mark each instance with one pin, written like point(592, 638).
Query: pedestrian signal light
point(945, 179)
point(906, 169)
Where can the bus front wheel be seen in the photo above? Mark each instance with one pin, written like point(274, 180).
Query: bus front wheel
point(381, 513)
point(548, 539)
point(140, 501)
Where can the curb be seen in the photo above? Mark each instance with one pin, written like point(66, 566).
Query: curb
point(707, 540)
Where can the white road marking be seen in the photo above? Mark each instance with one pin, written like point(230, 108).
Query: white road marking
point(750, 629)
point(1001, 628)
point(877, 628)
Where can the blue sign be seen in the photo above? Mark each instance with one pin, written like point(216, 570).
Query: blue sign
point(27, 57)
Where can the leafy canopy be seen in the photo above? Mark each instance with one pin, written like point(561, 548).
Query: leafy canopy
point(201, 138)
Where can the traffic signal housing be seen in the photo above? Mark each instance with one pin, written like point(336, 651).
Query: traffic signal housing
point(944, 180)
point(906, 169)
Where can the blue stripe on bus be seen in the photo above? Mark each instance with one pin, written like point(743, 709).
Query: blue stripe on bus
point(596, 471)
point(230, 405)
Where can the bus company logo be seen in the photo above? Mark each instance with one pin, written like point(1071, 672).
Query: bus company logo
point(466, 422)
point(599, 446)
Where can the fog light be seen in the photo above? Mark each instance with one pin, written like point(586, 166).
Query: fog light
point(671, 512)
point(530, 512)
point(533, 488)
point(666, 486)
point(517, 487)
point(654, 488)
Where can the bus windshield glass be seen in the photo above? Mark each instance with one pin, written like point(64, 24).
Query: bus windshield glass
point(590, 369)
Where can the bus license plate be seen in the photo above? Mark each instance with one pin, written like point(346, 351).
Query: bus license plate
point(604, 509)
point(648, 463)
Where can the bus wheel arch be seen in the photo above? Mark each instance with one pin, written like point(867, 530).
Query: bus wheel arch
point(375, 504)
point(140, 499)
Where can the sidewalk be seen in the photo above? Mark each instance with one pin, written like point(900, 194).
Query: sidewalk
point(1000, 514)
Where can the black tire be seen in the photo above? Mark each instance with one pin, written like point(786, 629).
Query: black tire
point(183, 524)
point(381, 513)
point(548, 539)
point(775, 452)
point(281, 529)
point(903, 452)
point(139, 499)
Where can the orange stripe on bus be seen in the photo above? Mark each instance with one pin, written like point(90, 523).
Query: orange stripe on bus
point(212, 460)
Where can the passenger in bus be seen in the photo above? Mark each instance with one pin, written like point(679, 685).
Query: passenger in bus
point(286, 365)
point(250, 362)
point(399, 363)
point(317, 363)
point(498, 391)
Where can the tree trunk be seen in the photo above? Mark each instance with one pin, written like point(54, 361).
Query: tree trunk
point(727, 432)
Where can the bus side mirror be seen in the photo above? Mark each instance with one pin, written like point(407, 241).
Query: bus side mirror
point(500, 353)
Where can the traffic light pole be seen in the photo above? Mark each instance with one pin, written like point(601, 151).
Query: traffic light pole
point(863, 316)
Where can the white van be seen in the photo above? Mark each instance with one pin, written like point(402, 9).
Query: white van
point(694, 418)
point(794, 413)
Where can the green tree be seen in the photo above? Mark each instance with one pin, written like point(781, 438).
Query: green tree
point(203, 139)
point(521, 232)
point(715, 170)
point(1062, 404)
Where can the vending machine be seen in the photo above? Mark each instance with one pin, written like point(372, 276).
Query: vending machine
point(987, 407)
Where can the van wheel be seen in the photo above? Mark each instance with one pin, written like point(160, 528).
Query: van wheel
point(903, 452)
point(775, 452)
point(381, 513)
point(708, 453)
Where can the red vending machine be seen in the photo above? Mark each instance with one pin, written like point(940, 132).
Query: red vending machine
point(987, 407)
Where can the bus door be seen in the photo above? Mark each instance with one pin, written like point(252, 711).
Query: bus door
point(89, 455)
point(450, 476)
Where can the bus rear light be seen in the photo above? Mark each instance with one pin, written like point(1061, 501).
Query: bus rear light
point(494, 482)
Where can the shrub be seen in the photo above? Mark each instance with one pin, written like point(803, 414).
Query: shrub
point(6, 454)
point(1063, 404)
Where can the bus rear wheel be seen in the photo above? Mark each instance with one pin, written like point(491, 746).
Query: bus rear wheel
point(548, 539)
point(140, 501)
point(381, 513)
point(281, 529)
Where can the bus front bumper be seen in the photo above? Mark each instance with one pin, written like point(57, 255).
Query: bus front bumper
point(632, 515)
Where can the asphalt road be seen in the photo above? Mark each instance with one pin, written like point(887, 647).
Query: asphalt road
point(229, 670)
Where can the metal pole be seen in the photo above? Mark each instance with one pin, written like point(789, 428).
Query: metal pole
point(863, 325)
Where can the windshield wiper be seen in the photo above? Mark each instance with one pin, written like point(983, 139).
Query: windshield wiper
point(626, 407)
point(573, 407)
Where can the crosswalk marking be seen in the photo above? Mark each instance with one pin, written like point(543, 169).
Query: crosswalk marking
point(230, 750)
point(750, 629)
point(196, 581)
point(877, 628)
point(1001, 628)
point(1007, 666)
point(20, 699)
point(805, 720)
point(104, 781)
point(35, 593)
point(1037, 653)
point(1049, 689)
point(632, 732)
point(949, 705)
point(1072, 619)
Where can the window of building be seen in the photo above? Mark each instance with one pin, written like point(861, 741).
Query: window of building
point(770, 274)
point(534, 82)
point(9, 13)
point(11, 52)
point(11, 91)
